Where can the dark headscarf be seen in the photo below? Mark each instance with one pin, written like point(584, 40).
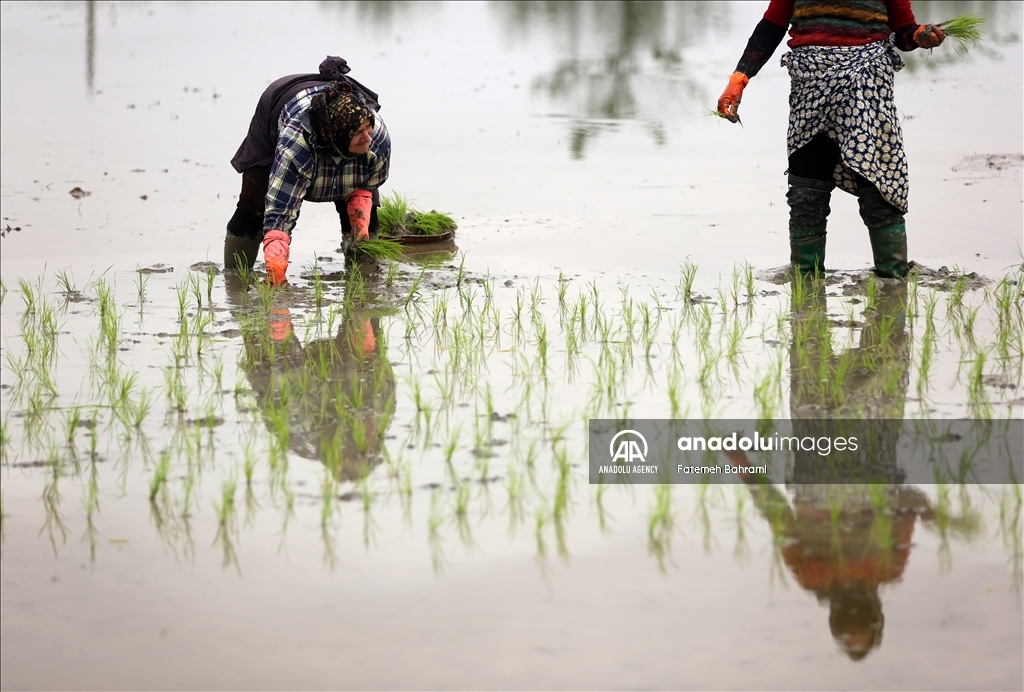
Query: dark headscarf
point(337, 112)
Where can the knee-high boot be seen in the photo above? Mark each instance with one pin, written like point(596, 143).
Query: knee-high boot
point(240, 252)
point(887, 230)
point(245, 229)
point(808, 216)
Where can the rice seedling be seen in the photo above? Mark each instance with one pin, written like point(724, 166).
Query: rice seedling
point(414, 288)
point(160, 473)
point(379, 249)
point(955, 300)
point(720, 114)
point(966, 30)
point(66, 282)
point(196, 288)
point(748, 279)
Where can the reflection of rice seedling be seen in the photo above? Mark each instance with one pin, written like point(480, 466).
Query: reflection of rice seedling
point(226, 507)
point(561, 504)
point(659, 524)
point(462, 497)
point(965, 29)
point(160, 474)
point(329, 496)
point(976, 387)
point(210, 274)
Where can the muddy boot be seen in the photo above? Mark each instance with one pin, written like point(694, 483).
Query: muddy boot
point(808, 216)
point(889, 247)
point(888, 233)
point(242, 241)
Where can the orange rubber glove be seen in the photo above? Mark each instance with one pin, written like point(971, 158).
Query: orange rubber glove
point(359, 206)
point(368, 343)
point(275, 256)
point(729, 101)
point(280, 321)
point(928, 36)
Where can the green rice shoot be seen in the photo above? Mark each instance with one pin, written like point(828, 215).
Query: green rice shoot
point(379, 249)
point(723, 116)
point(965, 29)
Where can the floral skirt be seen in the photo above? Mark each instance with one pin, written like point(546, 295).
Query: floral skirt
point(846, 94)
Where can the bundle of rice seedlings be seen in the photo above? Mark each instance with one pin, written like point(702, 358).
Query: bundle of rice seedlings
point(379, 249)
point(963, 29)
point(720, 114)
point(430, 223)
point(392, 212)
point(397, 217)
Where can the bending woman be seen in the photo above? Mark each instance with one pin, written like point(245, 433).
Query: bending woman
point(313, 137)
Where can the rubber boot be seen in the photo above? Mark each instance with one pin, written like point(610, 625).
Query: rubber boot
point(888, 233)
point(240, 253)
point(808, 217)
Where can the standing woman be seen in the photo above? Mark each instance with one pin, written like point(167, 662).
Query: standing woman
point(843, 126)
point(313, 137)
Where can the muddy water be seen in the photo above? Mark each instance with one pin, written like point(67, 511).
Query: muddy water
point(380, 481)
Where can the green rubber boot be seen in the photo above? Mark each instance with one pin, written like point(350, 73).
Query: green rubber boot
point(889, 247)
point(808, 217)
point(240, 253)
point(888, 232)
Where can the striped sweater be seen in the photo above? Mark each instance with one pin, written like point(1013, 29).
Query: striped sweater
point(828, 23)
point(839, 22)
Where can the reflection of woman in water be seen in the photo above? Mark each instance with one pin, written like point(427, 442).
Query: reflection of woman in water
point(841, 537)
point(841, 542)
point(335, 397)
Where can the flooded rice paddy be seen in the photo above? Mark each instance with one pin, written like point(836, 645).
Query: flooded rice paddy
point(376, 477)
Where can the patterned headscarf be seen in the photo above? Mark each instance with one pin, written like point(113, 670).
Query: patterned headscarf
point(337, 112)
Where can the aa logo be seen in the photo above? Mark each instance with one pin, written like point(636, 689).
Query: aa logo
point(630, 449)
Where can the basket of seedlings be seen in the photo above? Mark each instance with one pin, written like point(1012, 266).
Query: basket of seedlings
point(401, 223)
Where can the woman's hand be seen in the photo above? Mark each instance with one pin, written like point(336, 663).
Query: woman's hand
point(729, 101)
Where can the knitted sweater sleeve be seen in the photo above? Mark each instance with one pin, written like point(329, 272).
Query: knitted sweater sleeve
point(767, 36)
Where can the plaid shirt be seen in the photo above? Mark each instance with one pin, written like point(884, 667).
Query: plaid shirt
point(302, 172)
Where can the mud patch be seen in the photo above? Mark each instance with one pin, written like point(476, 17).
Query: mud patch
point(990, 165)
point(852, 283)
